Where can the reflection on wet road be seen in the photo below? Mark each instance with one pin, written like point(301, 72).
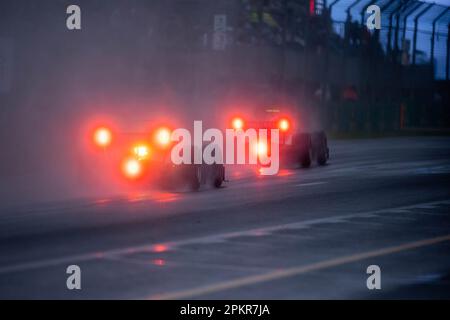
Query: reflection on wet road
point(302, 234)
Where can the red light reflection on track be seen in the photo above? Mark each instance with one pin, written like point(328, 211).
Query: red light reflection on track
point(159, 262)
point(166, 197)
point(162, 197)
point(281, 173)
point(101, 202)
point(137, 197)
point(99, 255)
point(159, 248)
point(259, 233)
point(285, 173)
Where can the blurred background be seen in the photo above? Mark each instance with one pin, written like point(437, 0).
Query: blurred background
point(136, 60)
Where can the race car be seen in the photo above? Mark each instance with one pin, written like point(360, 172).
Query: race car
point(296, 146)
point(145, 158)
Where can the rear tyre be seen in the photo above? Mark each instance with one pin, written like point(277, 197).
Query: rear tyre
point(322, 159)
point(218, 183)
point(196, 178)
point(322, 148)
point(219, 176)
point(305, 159)
point(304, 145)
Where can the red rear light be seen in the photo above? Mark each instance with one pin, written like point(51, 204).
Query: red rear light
point(141, 151)
point(283, 125)
point(162, 137)
point(261, 148)
point(102, 137)
point(132, 168)
point(237, 124)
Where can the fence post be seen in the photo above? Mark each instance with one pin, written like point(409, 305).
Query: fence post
point(403, 8)
point(387, 5)
point(416, 23)
point(448, 51)
point(433, 32)
point(395, 11)
point(332, 5)
point(416, 6)
point(351, 6)
point(364, 8)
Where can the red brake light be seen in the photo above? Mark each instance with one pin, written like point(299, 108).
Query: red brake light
point(162, 137)
point(237, 123)
point(283, 125)
point(132, 168)
point(141, 151)
point(261, 148)
point(102, 137)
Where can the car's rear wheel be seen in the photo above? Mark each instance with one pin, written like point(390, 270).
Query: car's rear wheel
point(305, 158)
point(321, 146)
point(219, 175)
point(322, 159)
point(196, 178)
point(304, 145)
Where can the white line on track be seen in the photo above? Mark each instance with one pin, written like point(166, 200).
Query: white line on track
point(310, 184)
point(20, 267)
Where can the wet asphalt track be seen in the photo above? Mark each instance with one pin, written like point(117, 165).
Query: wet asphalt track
point(303, 234)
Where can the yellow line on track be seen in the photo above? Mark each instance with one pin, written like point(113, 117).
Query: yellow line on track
point(294, 271)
